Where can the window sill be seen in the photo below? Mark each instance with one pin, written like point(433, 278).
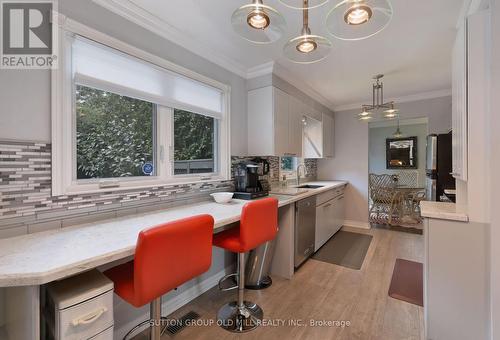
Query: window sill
point(82, 189)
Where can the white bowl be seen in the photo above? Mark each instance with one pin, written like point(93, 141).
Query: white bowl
point(222, 197)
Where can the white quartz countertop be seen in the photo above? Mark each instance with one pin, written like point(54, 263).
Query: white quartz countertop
point(47, 256)
point(443, 211)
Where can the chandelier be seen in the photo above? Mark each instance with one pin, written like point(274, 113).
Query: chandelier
point(348, 20)
point(368, 110)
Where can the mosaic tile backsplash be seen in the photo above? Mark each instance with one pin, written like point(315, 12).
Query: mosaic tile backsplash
point(26, 203)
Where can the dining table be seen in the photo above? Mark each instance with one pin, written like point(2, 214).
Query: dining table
point(405, 197)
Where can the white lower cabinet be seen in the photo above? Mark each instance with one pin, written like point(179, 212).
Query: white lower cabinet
point(79, 307)
point(329, 216)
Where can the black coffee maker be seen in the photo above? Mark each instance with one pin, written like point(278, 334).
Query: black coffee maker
point(248, 184)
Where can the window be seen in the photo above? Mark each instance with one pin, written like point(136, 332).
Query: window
point(114, 135)
point(194, 143)
point(288, 166)
point(123, 118)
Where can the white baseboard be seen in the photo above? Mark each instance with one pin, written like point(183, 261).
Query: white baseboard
point(171, 305)
point(357, 224)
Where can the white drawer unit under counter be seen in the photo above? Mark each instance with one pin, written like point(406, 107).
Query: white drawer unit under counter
point(79, 307)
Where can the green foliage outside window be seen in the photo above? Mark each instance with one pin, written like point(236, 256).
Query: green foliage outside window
point(287, 163)
point(193, 136)
point(114, 134)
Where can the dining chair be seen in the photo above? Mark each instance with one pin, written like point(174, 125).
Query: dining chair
point(384, 199)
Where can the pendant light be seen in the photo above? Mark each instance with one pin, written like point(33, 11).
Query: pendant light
point(358, 19)
point(398, 133)
point(299, 4)
point(307, 48)
point(378, 102)
point(258, 23)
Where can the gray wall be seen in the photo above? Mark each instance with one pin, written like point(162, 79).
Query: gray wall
point(25, 95)
point(377, 149)
point(351, 150)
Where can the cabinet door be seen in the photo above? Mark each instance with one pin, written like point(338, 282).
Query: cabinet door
point(321, 234)
point(281, 122)
point(459, 104)
point(295, 128)
point(339, 213)
point(313, 139)
point(327, 136)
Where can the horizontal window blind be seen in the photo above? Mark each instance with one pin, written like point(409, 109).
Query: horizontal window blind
point(102, 67)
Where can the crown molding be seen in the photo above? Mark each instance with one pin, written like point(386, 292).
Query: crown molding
point(403, 99)
point(402, 122)
point(139, 16)
point(300, 84)
point(260, 70)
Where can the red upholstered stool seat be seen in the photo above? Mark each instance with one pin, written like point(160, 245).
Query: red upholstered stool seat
point(258, 225)
point(166, 256)
point(229, 240)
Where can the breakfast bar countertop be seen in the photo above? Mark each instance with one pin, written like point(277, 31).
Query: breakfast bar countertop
point(443, 211)
point(40, 258)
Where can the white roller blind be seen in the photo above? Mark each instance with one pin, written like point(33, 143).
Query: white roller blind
point(102, 67)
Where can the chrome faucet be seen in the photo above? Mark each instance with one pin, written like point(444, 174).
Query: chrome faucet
point(298, 172)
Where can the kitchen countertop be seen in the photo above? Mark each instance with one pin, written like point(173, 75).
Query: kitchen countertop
point(40, 258)
point(443, 211)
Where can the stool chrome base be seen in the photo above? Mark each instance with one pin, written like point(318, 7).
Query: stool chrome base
point(237, 319)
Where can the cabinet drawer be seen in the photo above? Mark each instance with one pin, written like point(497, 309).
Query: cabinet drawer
point(86, 319)
point(328, 195)
point(106, 335)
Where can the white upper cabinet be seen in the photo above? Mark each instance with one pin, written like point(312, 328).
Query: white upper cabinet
point(296, 125)
point(281, 122)
point(276, 127)
point(318, 137)
point(459, 104)
point(328, 136)
point(313, 139)
point(274, 123)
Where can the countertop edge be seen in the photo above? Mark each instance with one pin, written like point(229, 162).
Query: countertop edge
point(43, 277)
point(443, 211)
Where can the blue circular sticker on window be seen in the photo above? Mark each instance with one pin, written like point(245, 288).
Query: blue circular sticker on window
point(147, 168)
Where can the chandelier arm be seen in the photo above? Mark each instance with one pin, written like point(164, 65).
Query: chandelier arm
point(382, 93)
point(373, 95)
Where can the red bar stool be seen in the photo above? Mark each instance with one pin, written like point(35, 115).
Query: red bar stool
point(166, 256)
point(258, 224)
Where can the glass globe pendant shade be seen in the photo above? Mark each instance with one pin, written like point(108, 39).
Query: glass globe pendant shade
point(307, 48)
point(358, 19)
point(299, 4)
point(391, 113)
point(365, 115)
point(258, 23)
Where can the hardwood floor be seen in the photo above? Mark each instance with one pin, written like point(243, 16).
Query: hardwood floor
point(323, 291)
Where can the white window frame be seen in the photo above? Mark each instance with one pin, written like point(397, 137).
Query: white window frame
point(64, 123)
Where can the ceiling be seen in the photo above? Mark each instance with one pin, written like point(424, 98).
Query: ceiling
point(414, 51)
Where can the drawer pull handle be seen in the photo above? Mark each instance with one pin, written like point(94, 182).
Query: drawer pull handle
point(89, 318)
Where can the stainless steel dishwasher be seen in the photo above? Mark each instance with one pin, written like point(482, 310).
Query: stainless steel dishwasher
point(305, 222)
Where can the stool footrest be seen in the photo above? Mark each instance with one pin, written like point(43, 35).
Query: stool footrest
point(226, 277)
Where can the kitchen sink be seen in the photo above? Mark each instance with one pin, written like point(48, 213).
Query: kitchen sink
point(310, 186)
